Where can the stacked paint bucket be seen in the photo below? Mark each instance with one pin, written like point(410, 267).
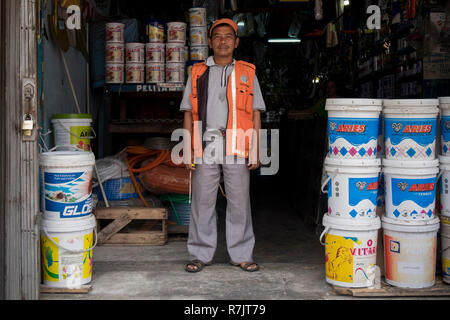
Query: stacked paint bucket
point(135, 62)
point(175, 52)
point(155, 53)
point(352, 169)
point(410, 171)
point(68, 225)
point(115, 53)
point(198, 34)
point(444, 164)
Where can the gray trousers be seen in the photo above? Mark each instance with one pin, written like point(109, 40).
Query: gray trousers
point(202, 240)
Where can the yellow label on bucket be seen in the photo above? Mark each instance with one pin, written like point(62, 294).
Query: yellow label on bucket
point(50, 260)
point(87, 257)
point(338, 258)
point(77, 135)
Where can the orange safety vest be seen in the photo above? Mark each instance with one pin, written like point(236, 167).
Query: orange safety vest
point(240, 107)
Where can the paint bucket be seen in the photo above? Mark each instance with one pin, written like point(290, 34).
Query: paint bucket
point(175, 72)
point(155, 52)
point(67, 252)
point(176, 32)
point(199, 52)
point(73, 130)
point(155, 30)
point(115, 52)
point(135, 73)
point(444, 106)
point(197, 17)
point(410, 252)
point(410, 189)
point(198, 36)
point(353, 127)
point(410, 128)
point(115, 32)
point(155, 73)
point(66, 184)
point(135, 52)
point(350, 251)
point(174, 53)
point(115, 73)
point(445, 245)
point(444, 166)
point(352, 187)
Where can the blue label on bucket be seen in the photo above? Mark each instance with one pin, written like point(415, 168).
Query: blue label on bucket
point(420, 191)
point(445, 128)
point(421, 131)
point(360, 189)
point(68, 194)
point(356, 131)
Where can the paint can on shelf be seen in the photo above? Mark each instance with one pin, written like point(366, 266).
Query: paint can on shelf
point(115, 32)
point(198, 36)
point(174, 53)
point(155, 73)
point(175, 72)
point(155, 52)
point(135, 73)
point(155, 31)
point(176, 32)
point(197, 17)
point(199, 52)
point(115, 73)
point(115, 52)
point(135, 52)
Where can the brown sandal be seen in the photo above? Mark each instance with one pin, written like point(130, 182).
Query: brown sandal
point(196, 263)
point(246, 267)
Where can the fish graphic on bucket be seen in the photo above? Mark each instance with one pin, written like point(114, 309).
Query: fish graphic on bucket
point(352, 187)
point(410, 129)
point(353, 127)
point(410, 188)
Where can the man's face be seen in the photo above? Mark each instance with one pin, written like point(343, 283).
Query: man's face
point(223, 41)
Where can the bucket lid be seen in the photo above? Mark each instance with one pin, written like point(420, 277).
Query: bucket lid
point(70, 225)
point(444, 159)
point(67, 158)
point(354, 104)
point(410, 225)
point(410, 164)
point(392, 103)
point(351, 224)
point(352, 162)
point(444, 100)
point(72, 116)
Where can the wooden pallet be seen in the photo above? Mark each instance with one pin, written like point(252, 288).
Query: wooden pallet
point(82, 289)
point(122, 217)
point(438, 290)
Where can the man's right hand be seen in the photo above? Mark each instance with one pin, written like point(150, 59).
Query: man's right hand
point(190, 167)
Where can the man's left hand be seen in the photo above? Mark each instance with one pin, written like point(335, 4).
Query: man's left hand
point(253, 166)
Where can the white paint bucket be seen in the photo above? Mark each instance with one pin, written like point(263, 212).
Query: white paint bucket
point(135, 52)
point(155, 52)
point(410, 128)
point(155, 73)
point(445, 248)
point(135, 73)
point(410, 189)
point(353, 127)
point(176, 32)
point(115, 32)
point(197, 17)
point(350, 251)
point(444, 166)
point(198, 36)
point(115, 52)
point(199, 52)
point(73, 131)
point(155, 31)
point(66, 184)
point(67, 252)
point(175, 72)
point(444, 106)
point(174, 53)
point(352, 187)
point(410, 252)
point(115, 73)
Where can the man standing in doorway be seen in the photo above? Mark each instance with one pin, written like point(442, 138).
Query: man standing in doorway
point(222, 101)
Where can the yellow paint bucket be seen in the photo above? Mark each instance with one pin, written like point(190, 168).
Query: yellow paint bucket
point(67, 251)
point(350, 251)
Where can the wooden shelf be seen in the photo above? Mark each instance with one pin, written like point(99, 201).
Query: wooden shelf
point(146, 126)
point(143, 88)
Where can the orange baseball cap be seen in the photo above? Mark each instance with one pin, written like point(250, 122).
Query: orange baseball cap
point(227, 21)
